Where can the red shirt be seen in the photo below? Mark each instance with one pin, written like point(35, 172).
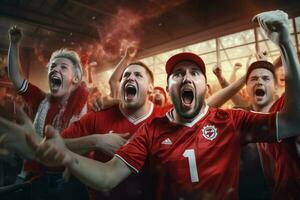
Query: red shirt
point(114, 120)
point(281, 163)
point(198, 160)
point(75, 108)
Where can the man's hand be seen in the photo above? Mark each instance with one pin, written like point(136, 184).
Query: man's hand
point(51, 151)
point(13, 135)
point(275, 24)
point(15, 34)
point(109, 143)
point(104, 102)
point(131, 51)
point(237, 66)
point(217, 70)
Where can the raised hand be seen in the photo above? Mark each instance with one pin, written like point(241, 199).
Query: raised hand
point(131, 51)
point(51, 151)
point(275, 25)
point(15, 34)
point(237, 66)
point(217, 70)
point(13, 135)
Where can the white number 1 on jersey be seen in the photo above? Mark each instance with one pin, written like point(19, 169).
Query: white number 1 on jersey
point(190, 154)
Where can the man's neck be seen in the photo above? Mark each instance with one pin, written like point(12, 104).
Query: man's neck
point(180, 120)
point(263, 109)
point(63, 100)
point(137, 113)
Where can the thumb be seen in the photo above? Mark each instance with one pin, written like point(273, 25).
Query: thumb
point(125, 135)
point(50, 132)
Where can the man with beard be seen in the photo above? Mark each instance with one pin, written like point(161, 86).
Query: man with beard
point(194, 151)
point(104, 132)
point(101, 131)
point(65, 104)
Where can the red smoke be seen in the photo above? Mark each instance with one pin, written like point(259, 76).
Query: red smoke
point(39, 49)
point(121, 30)
point(158, 7)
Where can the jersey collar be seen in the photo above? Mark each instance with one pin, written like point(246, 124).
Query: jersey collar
point(188, 124)
point(136, 121)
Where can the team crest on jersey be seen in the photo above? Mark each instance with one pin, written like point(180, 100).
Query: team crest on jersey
point(209, 132)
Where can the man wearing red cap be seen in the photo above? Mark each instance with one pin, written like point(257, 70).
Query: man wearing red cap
point(194, 151)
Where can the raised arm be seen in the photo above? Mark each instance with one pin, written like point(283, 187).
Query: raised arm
point(220, 97)
point(236, 67)
point(97, 175)
point(14, 74)
point(228, 91)
point(276, 27)
point(114, 81)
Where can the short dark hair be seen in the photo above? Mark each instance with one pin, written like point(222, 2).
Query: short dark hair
point(150, 73)
point(258, 65)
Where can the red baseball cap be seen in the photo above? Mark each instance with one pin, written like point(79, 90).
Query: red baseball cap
point(186, 56)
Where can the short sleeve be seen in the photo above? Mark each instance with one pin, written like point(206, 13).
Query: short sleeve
point(135, 152)
point(254, 126)
point(31, 94)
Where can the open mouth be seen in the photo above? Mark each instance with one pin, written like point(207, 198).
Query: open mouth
point(187, 96)
point(260, 92)
point(130, 91)
point(55, 82)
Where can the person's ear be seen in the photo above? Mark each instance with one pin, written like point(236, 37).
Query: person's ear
point(75, 80)
point(150, 89)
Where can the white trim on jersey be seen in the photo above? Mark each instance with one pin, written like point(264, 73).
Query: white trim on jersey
point(129, 165)
point(23, 87)
point(142, 118)
point(188, 124)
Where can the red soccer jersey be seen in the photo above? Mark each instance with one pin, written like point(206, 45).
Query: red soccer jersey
point(113, 120)
point(281, 163)
point(110, 120)
point(199, 160)
point(75, 108)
